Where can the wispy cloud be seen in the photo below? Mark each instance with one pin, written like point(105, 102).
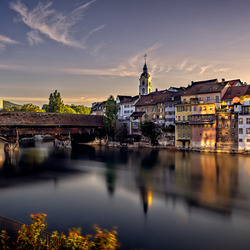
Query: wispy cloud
point(4, 40)
point(43, 19)
point(34, 38)
point(203, 69)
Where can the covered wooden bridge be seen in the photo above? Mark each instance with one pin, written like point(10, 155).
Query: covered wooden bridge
point(21, 124)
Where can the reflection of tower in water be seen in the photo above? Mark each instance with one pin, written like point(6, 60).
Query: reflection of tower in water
point(146, 196)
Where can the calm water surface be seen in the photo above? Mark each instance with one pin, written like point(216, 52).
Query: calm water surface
point(158, 199)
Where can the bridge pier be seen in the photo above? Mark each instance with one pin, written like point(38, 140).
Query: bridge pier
point(11, 146)
point(63, 142)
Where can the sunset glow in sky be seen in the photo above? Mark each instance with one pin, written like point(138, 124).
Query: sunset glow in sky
point(88, 50)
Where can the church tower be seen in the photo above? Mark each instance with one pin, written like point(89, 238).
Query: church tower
point(145, 80)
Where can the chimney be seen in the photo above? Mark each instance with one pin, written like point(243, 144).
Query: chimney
point(223, 79)
point(156, 90)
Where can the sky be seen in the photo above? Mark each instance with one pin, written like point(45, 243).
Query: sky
point(91, 49)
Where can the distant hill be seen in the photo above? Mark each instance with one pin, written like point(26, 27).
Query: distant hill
point(7, 104)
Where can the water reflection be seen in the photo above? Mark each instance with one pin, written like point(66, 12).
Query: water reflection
point(163, 184)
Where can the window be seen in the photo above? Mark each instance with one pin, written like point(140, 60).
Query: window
point(208, 98)
point(240, 130)
point(188, 135)
point(170, 105)
point(179, 135)
point(206, 134)
point(240, 140)
point(183, 135)
point(226, 133)
point(217, 98)
point(248, 120)
point(219, 133)
point(248, 130)
point(194, 108)
point(183, 127)
point(204, 108)
point(248, 140)
point(226, 116)
point(211, 107)
point(226, 125)
point(241, 121)
point(233, 126)
point(232, 117)
point(183, 117)
point(219, 117)
point(200, 99)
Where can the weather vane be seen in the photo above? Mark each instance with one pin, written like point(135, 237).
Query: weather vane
point(145, 57)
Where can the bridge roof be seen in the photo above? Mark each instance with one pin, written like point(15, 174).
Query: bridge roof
point(33, 119)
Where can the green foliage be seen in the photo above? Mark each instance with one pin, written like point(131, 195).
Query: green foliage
point(170, 129)
point(55, 103)
point(110, 117)
point(67, 109)
point(149, 130)
point(122, 133)
point(14, 108)
point(35, 237)
point(81, 109)
point(31, 108)
point(4, 240)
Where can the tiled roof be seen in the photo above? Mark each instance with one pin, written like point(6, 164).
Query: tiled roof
point(236, 92)
point(137, 114)
point(97, 105)
point(49, 119)
point(159, 97)
point(124, 98)
point(203, 87)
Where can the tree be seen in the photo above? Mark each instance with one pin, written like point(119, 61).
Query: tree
point(149, 130)
point(55, 103)
point(29, 107)
point(81, 109)
point(122, 133)
point(110, 117)
point(67, 109)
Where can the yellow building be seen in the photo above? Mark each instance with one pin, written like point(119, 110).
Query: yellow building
point(1, 104)
point(183, 130)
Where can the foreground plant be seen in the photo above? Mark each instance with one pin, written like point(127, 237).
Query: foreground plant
point(35, 237)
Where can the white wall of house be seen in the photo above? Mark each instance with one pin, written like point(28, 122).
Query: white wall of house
point(125, 110)
point(244, 131)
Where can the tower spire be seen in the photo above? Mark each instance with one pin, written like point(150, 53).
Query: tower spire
point(145, 56)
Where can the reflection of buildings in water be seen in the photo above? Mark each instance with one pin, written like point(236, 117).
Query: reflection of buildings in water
point(11, 162)
point(211, 178)
point(244, 175)
point(110, 178)
point(63, 152)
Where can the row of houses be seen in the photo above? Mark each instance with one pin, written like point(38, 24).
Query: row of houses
point(209, 114)
point(206, 114)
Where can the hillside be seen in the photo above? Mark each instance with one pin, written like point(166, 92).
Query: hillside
point(7, 104)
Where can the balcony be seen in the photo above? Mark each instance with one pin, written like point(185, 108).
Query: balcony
point(197, 119)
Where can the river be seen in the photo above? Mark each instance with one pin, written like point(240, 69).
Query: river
point(158, 199)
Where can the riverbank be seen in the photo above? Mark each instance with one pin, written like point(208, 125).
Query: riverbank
point(170, 147)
